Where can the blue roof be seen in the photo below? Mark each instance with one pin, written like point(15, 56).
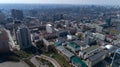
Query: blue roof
point(77, 61)
point(58, 43)
point(73, 45)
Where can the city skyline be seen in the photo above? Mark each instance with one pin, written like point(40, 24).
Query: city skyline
point(59, 33)
point(79, 2)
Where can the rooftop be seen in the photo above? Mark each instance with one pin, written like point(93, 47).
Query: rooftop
point(65, 51)
point(49, 25)
point(76, 60)
point(73, 45)
point(58, 43)
point(89, 49)
point(98, 56)
point(78, 42)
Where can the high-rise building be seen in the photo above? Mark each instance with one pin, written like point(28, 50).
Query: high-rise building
point(4, 41)
point(17, 14)
point(23, 37)
point(118, 24)
point(116, 59)
point(108, 21)
point(2, 17)
point(89, 39)
point(57, 17)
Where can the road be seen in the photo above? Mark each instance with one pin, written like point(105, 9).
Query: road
point(53, 61)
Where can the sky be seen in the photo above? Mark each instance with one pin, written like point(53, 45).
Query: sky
point(93, 2)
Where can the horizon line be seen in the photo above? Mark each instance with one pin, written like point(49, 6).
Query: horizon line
point(58, 4)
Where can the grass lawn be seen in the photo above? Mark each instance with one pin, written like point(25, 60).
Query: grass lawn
point(22, 54)
point(61, 60)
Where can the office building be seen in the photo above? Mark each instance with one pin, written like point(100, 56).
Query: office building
point(108, 22)
point(2, 17)
point(49, 28)
point(65, 53)
point(4, 41)
point(77, 62)
point(73, 46)
point(88, 52)
point(89, 39)
point(99, 28)
point(96, 58)
point(62, 33)
point(23, 37)
point(17, 14)
point(116, 59)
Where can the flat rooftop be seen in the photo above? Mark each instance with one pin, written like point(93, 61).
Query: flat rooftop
point(74, 45)
point(98, 56)
point(76, 60)
point(65, 51)
point(89, 49)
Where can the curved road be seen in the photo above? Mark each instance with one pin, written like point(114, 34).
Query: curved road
point(53, 61)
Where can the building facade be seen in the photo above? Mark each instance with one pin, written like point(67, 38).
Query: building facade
point(4, 42)
point(17, 14)
point(23, 37)
point(116, 59)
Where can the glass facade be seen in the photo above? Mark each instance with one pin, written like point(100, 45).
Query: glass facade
point(116, 59)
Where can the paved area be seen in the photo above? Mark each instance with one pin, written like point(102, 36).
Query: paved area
point(13, 64)
point(53, 61)
point(37, 63)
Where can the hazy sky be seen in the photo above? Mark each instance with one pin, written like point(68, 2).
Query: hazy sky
point(99, 2)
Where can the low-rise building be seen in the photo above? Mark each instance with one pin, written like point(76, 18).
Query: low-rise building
point(99, 28)
point(96, 58)
point(99, 36)
point(65, 53)
point(47, 44)
point(88, 52)
point(62, 33)
point(76, 62)
point(109, 38)
point(74, 47)
point(111, 48)
point(81, 44)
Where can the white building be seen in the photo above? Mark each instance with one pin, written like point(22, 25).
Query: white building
point(99, 28)
point(49, 28)
point(99, 36)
